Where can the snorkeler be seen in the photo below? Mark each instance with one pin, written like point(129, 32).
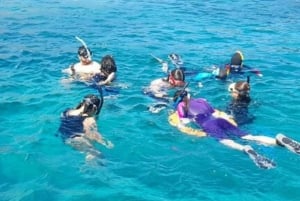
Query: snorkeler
point(238, 107)
point(235, 67)
point(107, 71)
point(78, 126)
point(86, 68)
point(201, 113)
point(158, 88)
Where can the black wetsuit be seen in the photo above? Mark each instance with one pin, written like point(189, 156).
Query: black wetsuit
point(71, 126)
point(239, 111)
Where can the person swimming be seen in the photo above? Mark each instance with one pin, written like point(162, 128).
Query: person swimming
point(108, 71)
point(86, 68)
point(159, 88)
point(235, 67)
point(78, 126)
point(238, 107)
point(200, 112)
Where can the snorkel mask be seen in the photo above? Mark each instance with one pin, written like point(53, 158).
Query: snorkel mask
point(174, 82)
point(232, 88)
point(84, 51)
point(92, 104)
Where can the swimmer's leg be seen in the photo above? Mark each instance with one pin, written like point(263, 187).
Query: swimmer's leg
point(232, 144)
point(259, 160)
point(259, 138)
point(289, 143)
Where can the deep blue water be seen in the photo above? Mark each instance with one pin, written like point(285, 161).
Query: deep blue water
point(151, 160)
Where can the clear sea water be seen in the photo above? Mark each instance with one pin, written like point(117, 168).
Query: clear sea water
point(151, 160)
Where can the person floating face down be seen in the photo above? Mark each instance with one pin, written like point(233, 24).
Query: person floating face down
point(78, 126)
point(159, 88)
point(238, 107)
point(108, 71)
point(217, 125)
point(236, 66)
point(86, 68)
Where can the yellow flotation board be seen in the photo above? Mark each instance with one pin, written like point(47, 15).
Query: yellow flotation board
point(223, 115)
point(174, 121)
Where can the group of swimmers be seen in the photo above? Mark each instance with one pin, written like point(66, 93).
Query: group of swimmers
point(222, 126)
point(78, 125)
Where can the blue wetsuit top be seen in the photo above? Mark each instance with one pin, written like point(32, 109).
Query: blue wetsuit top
point(71, 126)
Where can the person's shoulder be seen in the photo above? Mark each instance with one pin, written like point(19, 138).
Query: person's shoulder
point(95, 63)
point(157, 81)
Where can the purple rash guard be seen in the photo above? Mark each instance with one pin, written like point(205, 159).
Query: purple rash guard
point(201, 112)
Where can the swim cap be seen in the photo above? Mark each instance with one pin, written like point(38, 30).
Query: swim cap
point(84, 52)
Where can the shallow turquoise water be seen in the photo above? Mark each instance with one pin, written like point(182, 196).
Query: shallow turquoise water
point(150, 160)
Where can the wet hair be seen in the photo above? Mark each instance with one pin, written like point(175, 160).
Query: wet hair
point(84, 52)
point(92, 104)
point(108, 65)
point(177, 77)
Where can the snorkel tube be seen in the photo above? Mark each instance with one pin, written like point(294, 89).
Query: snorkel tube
point(165, 66)
point(248, 80)
point(85, 46)
point(181, 94)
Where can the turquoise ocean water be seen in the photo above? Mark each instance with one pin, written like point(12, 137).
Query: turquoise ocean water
point(151, 160)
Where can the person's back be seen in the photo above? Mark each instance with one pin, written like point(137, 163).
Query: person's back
point(78, 126)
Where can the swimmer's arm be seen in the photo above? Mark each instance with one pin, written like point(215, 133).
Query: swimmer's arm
point(70, 70)
point(253, 70)
point(96, 136)
point(109, 79)
point(93, 134)
point(159, 93)
point(165, 67)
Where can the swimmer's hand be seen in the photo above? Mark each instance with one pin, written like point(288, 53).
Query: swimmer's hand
point(105, 82)
point(101, 83)
point(165, 67)
point(185, 120)
point(108, 144)
point(67, 71)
